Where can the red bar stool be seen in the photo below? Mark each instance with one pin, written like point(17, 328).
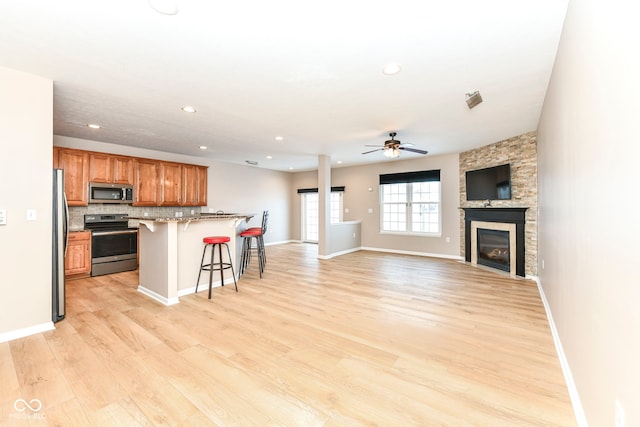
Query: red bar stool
point(213, 241)
point(248, 235)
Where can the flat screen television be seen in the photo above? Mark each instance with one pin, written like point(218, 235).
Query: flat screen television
point(489, 184)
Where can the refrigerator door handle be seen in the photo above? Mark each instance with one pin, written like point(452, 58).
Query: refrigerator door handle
point(66, 223)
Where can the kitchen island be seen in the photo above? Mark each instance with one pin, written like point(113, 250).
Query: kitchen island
point(171, 250)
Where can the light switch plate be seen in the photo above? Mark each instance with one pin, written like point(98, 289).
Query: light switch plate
point(31, 214)
point(3, 217)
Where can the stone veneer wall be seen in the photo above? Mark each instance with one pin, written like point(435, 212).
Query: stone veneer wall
point(77, 213)
point(521, 152)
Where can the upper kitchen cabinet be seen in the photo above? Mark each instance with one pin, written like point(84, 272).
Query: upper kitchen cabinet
point(146, 182)
point(110, 169)
point(202, 185)
point(155, 182)
point(170, 184)
point(76, 174)
point(122, 170)
point(194, 180)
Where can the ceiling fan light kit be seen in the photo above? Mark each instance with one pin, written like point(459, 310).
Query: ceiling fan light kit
point(392, 147)
point(391, 152)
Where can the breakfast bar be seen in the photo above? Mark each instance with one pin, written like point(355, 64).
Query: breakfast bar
point(171, 250)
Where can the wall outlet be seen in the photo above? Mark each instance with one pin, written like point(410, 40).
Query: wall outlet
point(447, 239)
point(370, 210)
point(346, 210)
point(3, 217)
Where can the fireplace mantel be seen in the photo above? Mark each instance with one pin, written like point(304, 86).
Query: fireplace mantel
point(508, 215)
point(502, 215)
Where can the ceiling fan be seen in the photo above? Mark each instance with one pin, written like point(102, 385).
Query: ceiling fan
point(392, 147)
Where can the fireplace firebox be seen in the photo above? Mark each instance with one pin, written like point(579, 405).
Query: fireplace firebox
point(493, 248)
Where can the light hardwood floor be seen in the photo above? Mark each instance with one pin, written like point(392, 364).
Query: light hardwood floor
point(363, 339)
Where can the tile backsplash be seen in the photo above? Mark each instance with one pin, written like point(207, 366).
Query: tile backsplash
point(77, 213)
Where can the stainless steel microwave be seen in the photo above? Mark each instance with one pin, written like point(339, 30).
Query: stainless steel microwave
point(110, 193)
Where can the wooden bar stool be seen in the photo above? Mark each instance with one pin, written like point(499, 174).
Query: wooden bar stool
point(248, 235)
point(213, 241)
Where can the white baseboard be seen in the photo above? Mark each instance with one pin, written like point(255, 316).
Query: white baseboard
point(425, 254)
point(205, 287)
point(335, 254)
point(564, 363)
point(281, 242)
point(25, 332)
point(158, 297)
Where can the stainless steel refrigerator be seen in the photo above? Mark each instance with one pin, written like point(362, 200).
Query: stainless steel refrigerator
point(60, 240)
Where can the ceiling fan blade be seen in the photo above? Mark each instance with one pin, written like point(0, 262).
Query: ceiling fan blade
point(377, 149)
point(406, 144)
point(415, 150)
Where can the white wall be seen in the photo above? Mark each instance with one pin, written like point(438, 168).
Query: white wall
point(589, 236)
point(358, 199)
point(230, 187)
point(26, 122)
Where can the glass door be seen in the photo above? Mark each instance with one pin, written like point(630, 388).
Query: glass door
point(310, 220)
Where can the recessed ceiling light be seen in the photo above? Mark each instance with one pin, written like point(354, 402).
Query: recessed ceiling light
point(391, 69)
point(203, 147)
point(290, 168)
point(279, 138)
point(269, 157)
point(189, 109)
point(165, 7)
point(339, 162)
point(94, 126)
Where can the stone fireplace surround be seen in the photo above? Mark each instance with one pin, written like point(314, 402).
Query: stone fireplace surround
point(508, 219)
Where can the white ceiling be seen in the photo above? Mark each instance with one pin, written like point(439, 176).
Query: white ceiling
point(310, 72)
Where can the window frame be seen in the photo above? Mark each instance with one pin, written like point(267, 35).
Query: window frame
point(408, 179)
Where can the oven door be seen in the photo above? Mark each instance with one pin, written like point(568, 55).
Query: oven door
point(113, 251)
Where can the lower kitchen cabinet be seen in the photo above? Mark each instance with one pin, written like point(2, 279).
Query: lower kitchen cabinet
point(77, 262)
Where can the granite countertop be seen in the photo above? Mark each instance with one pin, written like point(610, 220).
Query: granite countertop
point(200, 217)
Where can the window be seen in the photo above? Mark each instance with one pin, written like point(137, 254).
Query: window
point(335, 207)
point(410, 203)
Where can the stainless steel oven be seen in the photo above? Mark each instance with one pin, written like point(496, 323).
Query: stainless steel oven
point(114, 246)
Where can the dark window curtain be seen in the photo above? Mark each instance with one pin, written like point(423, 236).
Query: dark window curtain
point(404, 177)
point(315, 190)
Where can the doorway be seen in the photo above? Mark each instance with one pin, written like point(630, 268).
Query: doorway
point(311, 217)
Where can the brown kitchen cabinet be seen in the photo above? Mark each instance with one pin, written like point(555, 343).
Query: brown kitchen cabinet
point(146, 182)
point(76, 174)
point(77, 262)
point(202, 185)
point(155, 182)
point(194, 185)
point(170, 184)
point(122, 170)
point(110, 169)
